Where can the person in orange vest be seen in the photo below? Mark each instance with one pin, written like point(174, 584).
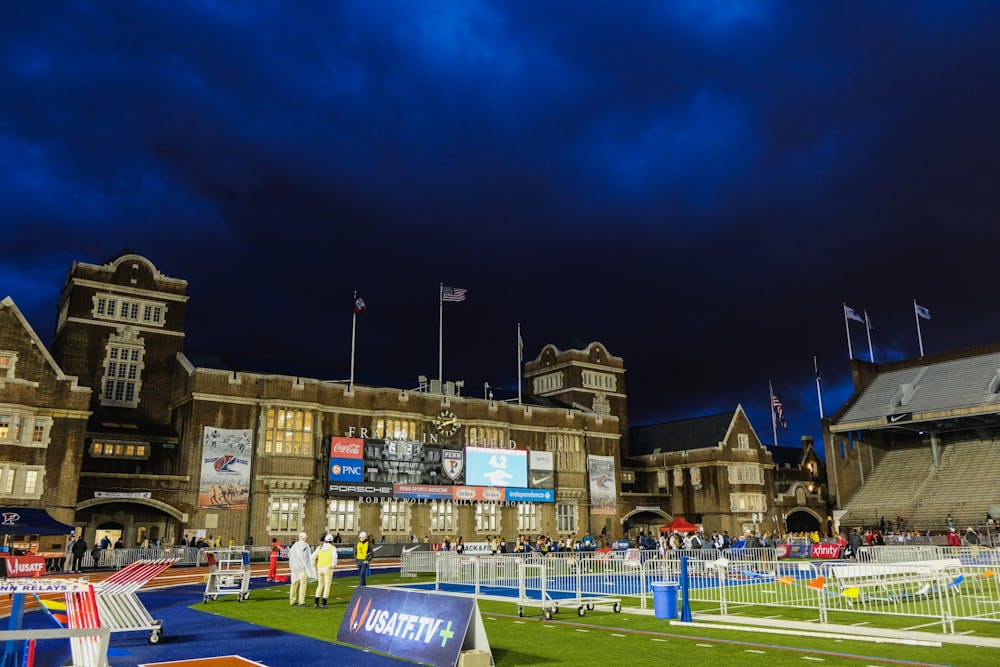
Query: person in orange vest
point(272, 569)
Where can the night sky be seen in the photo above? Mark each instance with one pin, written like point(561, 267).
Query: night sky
point(698, 185)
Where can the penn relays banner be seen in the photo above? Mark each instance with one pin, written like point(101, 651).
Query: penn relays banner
point(225, 468)
point(603, 498)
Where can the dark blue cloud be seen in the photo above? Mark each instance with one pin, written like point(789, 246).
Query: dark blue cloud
point(698, 185)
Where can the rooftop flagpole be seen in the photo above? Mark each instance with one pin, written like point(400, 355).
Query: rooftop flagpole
point(520, 362)
point(868, 328)
point(354, 327)
point(847, 328)
point(441, 335)
point(819, 394)
point(918, 312)
point(774, 421)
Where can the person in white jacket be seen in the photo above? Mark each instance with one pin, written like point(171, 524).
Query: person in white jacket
point(301, 564)
point(325, 559)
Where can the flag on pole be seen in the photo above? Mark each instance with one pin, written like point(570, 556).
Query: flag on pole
point(851, 315)
point(779, 410)
point(454, 294)
point(360, 306)
point(921, 311)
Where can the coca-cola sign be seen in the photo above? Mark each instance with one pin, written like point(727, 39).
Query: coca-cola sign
point(346, 448)
point(825, 551)
point(25, 566)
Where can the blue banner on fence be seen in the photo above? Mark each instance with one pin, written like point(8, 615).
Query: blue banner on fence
point(423, 627)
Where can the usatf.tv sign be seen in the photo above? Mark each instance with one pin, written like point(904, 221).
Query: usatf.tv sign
point(432, 629)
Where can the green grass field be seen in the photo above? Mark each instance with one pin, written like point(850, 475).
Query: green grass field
point(605, 638)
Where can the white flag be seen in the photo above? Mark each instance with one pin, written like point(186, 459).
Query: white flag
point(851, 315)
point(921, 311)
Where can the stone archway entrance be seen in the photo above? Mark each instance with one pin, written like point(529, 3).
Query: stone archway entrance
point(136, 523)
point(802, 520)
point(645, 519)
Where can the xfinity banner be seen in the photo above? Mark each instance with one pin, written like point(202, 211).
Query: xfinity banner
point(432, 629)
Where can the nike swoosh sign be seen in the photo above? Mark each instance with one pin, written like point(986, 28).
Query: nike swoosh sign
point(539, 480)
point(902, 417)
point(407, 550)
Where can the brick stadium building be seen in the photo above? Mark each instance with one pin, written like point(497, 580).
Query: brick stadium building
point(121, 431)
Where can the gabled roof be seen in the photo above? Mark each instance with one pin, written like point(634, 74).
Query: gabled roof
point(921, 392)
point(676, 436)
point(8, 302)
point(791, 455)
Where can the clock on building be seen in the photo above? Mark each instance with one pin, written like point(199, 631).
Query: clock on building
point(446, 423)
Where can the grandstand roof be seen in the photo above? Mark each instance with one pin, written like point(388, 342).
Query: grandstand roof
point(943, 393)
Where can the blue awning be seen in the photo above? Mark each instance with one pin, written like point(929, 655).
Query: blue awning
point(30, 521)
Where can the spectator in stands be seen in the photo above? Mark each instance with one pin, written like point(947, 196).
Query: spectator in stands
point(951, 522)
point(971, 537)
point(953, 539)
point(854, 543)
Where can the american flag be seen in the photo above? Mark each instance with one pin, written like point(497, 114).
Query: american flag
point(452, 294)
point(778, 410)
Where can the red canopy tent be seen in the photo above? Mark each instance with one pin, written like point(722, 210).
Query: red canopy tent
point(679, 525)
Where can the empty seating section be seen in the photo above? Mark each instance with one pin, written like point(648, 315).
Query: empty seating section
point(964, 486)
point(890, 489)
point(906, 483)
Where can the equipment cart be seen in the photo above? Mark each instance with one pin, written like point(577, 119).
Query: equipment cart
point(228, 574)
point(118, 606)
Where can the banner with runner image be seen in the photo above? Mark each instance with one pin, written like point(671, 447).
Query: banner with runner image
point(601, 471)
point(225, 469)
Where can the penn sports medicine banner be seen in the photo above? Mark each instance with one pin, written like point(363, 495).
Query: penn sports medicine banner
point(601, 471)
point(432, 629)
point(225, 469)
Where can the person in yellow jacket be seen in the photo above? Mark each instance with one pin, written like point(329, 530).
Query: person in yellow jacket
point(325, 559)
point(362, 554)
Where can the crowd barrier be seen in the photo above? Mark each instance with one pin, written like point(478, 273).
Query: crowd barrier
point(940, 584)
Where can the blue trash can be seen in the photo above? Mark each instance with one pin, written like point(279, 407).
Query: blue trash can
point(665, 599)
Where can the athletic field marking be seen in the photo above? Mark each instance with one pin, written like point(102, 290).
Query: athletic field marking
point(774, 647)
point(520, 622)
point(657, 639)
point(705, 645)
point(750, 650)
point(774, 616)
point(580, 630)
point(965, 632)
point(616, 634)
point(861, 623)
point(219, 661)
point(809, 657)
point(491, 618)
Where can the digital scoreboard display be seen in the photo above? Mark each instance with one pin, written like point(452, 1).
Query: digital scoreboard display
point(496, 467)
point(407, 462)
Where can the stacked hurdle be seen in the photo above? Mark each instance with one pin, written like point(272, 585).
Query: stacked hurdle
point(119, 606)
point(88, 639)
